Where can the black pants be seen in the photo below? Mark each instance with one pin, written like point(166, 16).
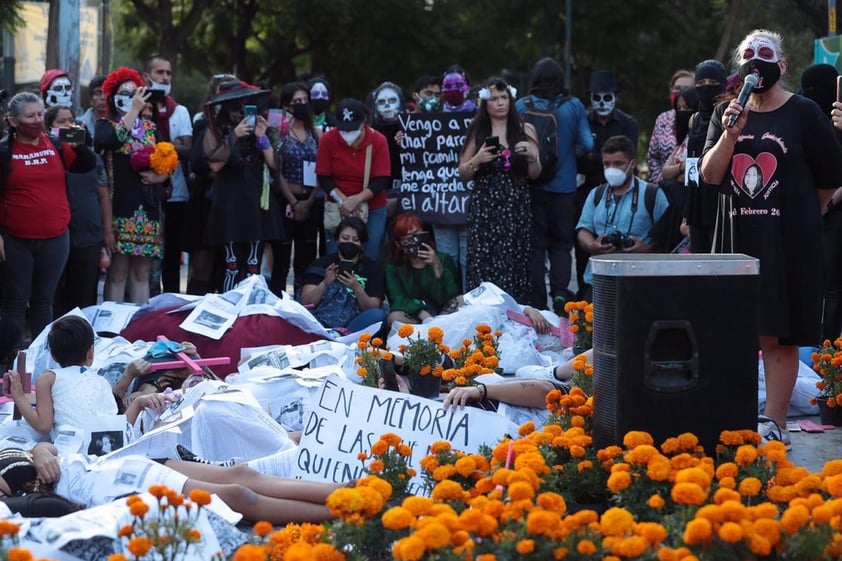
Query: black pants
point(305, 237)
point(553, 235)
point(175, 217)
point(78, 283)
point(832, 316)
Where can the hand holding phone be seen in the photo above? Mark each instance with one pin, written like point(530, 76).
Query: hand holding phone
point(346, 266)
point(72, 135)
point(156, 96)
point(494, 142)
point(251, 115)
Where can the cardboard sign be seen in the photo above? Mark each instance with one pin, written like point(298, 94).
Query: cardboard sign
point(430, 183)
point(348, 418)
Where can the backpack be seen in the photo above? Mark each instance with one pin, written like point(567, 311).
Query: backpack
point(545, 122)
point(648, 197)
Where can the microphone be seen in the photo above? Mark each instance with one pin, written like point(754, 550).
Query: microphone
point(749, 84)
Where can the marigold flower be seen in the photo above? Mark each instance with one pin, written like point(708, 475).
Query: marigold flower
point(125, 531)
point(730, 532)
point(139, 546)
point(746, 455)
point(750, 487)
point(405, 330)
point(688, 494)
point(117, 557)
point(616, 522)
point(200, 497)
point(656, 501)
point(263, 528)
point(194, 535)
point(586, 547)
point(410, 548)
point(637, 438)
point(525, 547)
point(652, 532)
point(19, 554)
point(619, 481)
point(794, 518)
point(139, 509)
point(697, 531)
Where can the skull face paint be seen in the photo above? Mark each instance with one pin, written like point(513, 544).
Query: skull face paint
point(603, 103)
point(60, 93)
point(387, 103)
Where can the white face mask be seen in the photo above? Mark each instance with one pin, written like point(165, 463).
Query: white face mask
point(166, 88)
point(387, 103)
point(60, 93)
point(123, 103)
point(616, 177)
point(350, 137)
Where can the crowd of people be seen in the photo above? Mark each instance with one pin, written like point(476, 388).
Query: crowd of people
point(317, 189)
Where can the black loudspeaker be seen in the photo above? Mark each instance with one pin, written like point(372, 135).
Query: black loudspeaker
point(675, 345)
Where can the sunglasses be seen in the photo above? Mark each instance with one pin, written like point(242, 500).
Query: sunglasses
point(596, 98)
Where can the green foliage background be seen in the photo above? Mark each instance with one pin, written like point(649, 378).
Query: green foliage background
point(358, 44)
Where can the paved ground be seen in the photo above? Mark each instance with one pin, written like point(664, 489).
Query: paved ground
point(812, 450)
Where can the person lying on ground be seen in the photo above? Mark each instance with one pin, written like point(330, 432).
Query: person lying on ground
point(255, 496)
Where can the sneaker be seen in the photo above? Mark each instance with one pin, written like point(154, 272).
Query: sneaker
point(187, 455)
point(769, 430)
point(538, 372)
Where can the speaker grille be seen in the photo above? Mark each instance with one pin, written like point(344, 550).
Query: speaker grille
point(605, 360)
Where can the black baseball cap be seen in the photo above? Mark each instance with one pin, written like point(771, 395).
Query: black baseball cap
point(350, 114)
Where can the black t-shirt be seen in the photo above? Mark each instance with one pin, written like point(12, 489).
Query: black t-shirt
point(368, 272)
point(780, 160)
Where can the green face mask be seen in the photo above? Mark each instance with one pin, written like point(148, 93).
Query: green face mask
point(429, 104)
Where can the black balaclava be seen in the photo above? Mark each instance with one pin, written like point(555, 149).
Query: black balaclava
point(712, 70)
point(818, 82)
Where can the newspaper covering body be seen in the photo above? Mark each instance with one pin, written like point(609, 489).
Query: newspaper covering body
point(251, 296)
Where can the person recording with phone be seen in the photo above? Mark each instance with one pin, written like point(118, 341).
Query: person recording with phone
point(90, 220)
point(135, 196)
point(236, 148)
point(776, 220)
point(34, 214)
point(500, 154)
point(618, 215)
point(345, 290)
point(421, 282)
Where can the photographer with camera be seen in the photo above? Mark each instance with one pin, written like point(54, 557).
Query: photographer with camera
point(421, 282)
point(618, 216)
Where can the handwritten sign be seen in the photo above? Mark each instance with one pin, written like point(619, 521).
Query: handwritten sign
point(430, 184)
point(347, 419)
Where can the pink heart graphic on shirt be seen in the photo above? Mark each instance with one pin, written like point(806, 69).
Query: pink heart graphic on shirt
point(766, 164)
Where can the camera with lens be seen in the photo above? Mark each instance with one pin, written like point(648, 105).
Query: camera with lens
point(619, 240)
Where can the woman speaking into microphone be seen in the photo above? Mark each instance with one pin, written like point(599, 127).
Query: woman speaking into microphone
point(775, 214)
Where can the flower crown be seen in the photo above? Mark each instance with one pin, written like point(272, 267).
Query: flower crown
point(119, 76)
point(485, 93)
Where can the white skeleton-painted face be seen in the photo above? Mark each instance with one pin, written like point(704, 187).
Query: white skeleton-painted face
point(759, 48)
point(387, 103)
point(603, 103)
point(60, 92)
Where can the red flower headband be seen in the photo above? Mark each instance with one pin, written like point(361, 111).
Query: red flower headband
point(119, 76)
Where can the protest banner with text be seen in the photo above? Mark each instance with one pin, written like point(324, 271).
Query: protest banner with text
point(348, 418)
point(430, 183)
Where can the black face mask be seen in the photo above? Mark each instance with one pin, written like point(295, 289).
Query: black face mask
point(319, 105)
point(349, 250)
point(300, 111)
point(770, 73)
point(708, 95)
point(682, 123)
